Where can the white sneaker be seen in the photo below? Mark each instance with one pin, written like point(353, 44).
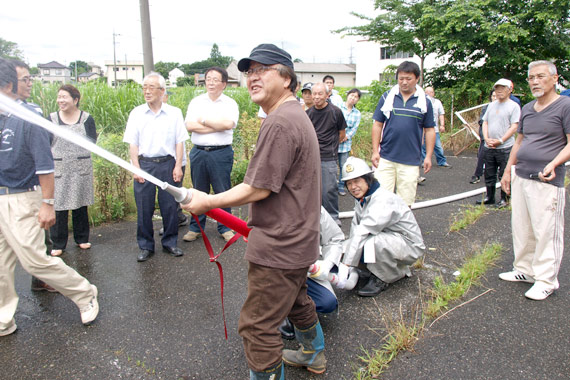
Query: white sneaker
point(539, 291)
point(9, 330)
point(90, 311)
point(516, 276)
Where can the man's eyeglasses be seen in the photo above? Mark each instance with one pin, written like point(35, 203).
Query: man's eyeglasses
point(151, 88)
point(213, 80)
point(26, 80)
point(539, 77)
point(259, 70)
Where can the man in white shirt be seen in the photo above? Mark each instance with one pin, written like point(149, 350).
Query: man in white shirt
point(156, 134)
point(211, 118)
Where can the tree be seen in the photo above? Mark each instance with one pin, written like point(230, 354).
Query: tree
point(400, 26)
point(489, 39)
point(165, 67)
point(185, 81)
point(217, 59)
point(9, 49)
point(82, 67)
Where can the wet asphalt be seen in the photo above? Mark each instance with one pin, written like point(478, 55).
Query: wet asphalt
point(162, 319)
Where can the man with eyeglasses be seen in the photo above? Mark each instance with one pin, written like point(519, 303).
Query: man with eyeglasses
point(156, 134)
point(24, 91)
point(212, 118)
point(283, 186)
point(500, 123)
point(538, 196)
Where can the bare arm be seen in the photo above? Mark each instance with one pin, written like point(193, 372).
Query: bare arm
point(441, 123)
point(46, 215)
point(430, 143)
point(134, 154)
point(209, 125)
point(506, 179)
point(511, 131)
point(376, 140)
point(177, 172)
point(236, 196)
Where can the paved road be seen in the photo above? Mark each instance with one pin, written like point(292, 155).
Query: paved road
point(162, 319)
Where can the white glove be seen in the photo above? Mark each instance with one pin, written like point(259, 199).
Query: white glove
point(340, 279)
point(320, 269)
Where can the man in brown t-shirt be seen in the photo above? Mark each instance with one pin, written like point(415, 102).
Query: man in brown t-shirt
point(283, 187)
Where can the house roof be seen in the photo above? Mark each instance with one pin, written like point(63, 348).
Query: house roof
point(87, 75)
point(324, 67)
point(52, 65)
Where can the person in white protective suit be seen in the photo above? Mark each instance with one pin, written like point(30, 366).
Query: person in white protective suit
point(326, 272)
point(384, 234)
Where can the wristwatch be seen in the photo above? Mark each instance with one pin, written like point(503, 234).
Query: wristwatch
point(49, 201)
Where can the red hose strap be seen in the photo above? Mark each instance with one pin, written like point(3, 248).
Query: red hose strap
point(235, 224)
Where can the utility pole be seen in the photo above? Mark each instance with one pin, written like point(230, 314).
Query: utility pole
point(115, 59)
point(146, 37)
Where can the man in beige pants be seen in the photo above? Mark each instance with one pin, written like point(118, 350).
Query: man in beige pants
point(538, 195)
point(26, 209)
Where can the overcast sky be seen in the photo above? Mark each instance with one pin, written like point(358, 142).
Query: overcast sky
point(183, 31)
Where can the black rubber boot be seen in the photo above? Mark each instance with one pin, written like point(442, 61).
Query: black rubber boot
point(489, 198)
point(287, 330)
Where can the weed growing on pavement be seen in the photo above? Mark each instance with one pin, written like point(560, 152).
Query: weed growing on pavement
point(467, 217)
point(402, 335)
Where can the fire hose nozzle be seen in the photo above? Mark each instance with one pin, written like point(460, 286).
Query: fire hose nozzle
point(180, 194)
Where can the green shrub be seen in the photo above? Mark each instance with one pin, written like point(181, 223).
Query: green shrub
point(113, 184)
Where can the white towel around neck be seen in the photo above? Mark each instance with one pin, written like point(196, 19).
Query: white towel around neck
point(389, 102)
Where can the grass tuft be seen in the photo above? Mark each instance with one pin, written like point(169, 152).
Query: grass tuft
point(467, 217)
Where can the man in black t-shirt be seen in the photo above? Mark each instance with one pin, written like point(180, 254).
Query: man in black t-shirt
point(538, 194)
point(330, 126)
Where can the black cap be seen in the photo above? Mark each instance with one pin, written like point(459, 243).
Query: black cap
point(266, 54)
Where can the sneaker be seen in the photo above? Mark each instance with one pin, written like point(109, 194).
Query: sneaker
point(421, 179)
point(539, 291)
point(516, 276)
point(228, 235)
point(9, 330)
point(90, 311)
point(342, 193)
point(191, 236)
point(446, 165)
point(475, 180)
point(38, 286)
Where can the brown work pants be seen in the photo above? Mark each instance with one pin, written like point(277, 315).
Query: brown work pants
point(272, 295)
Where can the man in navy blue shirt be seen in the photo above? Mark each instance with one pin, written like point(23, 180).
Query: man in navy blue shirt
point(402, 115)
point(26, 210)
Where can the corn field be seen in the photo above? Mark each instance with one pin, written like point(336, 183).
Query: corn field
point(111, 107)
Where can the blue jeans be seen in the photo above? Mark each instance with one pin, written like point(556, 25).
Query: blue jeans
point(324, 300)
point(213, 169)
point(329, 193)
point(341, 160)
point(438, 150)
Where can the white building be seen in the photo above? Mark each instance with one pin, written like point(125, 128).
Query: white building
point(54, 72)
point(372, 59)
point(130, 70)
point(173, 76)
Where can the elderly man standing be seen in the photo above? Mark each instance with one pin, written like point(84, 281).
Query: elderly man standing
point(26, 210)
point(330, 126)
point(439, 120)
point(212, 117)
point(156, 134)
point(402, 116)
point(283, 185)
point(538, 195)
point(500, 123)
